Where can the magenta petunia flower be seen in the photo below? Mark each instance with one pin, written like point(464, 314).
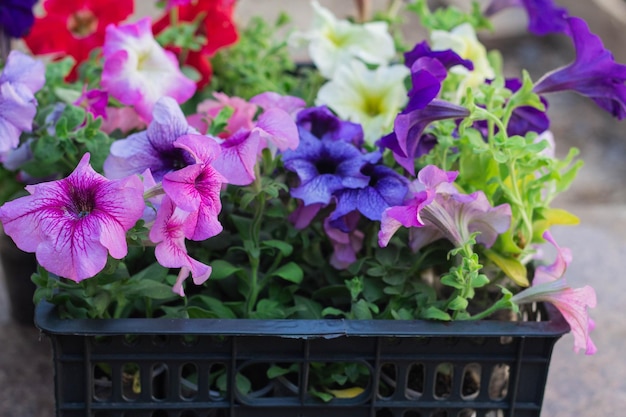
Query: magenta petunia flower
point(73, 224)
point(594, 73)
point(21, 78)
point(138, 71)
point(196, 188)
point(94, 101)
point(549, 285)
point(435, 205)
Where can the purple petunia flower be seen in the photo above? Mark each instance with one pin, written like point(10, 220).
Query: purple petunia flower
point(346, 244)
point(21, 78)
point(73, 224)
point(153, 148)
point(323, 124)
point(440, 211)
point(447, 58)
point(325, 167)
point(406, 139)
point(543, 15)
point(16, 17)
point(594, 73)
point(385, 188)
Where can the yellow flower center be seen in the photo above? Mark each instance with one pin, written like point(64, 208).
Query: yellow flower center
point(82, 23)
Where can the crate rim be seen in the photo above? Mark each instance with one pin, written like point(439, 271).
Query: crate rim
point(49, 322)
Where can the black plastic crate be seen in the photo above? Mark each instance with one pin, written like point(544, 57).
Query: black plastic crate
point(167, 367)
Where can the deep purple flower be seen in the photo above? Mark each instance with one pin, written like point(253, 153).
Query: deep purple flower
point(447, 58)
point(543, 15)
point(594, 73)
point(16, 17)
point(21, 78)
point(153, 148)
point(386, 188)
point(323, 124)
point(325, 167)
point(440, 210)
point(73, 224)
point(406, 139)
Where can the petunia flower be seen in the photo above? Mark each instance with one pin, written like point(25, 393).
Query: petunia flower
point(371, 98)
point(324, 124)
point(386, 188)
point(168, 232)
point(207, 110)
point(543, 15)
point(73, 224)
point(215, 23)
point(196, 188)
point(270, 99)
point(435, 205)
point(325, 167)
point(75, 27)
point(94, 101)
point(594, 73)
point(334, 42)
point(21, 78)
point(16, 17)
point(407, 139)
point(345, 244)
point(549, 285)
point(448, 58)
point(124, 119)
point(153, 148)
point(138, 71)
point(463, 41)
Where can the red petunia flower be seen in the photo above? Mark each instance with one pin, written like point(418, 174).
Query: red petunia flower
point(75, 27)
point(216, 25)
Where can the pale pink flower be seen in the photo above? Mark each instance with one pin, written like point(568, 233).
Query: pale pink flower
point(242, 117)
point(549, 285)
point(138, 71)
point(73, 224)
point(125, 119)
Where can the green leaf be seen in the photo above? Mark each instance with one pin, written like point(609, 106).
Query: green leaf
point(285, 248)
point(290, 272)
point(361, 310)
point(151, 289)
point(216, 306)
point(275, 371)
point(222, 269)
point(435, 313)
point(458, 304)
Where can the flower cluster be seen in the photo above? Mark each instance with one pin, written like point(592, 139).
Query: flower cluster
point(377, 182)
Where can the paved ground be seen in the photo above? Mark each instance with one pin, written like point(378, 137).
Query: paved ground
point(577, 385)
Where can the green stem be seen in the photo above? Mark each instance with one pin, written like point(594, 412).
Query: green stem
point(254, 251)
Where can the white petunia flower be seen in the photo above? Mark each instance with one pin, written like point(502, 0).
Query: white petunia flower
point(462, 40)
point(372, 98)
point(334, 42)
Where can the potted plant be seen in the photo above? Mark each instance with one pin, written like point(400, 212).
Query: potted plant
point(363, 235)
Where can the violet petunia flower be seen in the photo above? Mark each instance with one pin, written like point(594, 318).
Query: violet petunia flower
point(324, 124)
point(21, 78)
point(406, 139)
point(138, 71)
point(345, 244)
point(448, 58)
point(153, 148)
point(325, 167)
point(594, 73)
point(543, 15)
point(16, 17)
point(73, 224)
point(549, 285)
point(435, 205)
point(386, 188)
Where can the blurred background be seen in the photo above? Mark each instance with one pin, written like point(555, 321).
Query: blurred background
point(577, 385)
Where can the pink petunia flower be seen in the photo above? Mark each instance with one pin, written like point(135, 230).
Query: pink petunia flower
point(435, 206)
point(242, 117)
point(549, 285)
point(138, 71)
point(73, 224)
point(168, 232)
point(94, 101)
